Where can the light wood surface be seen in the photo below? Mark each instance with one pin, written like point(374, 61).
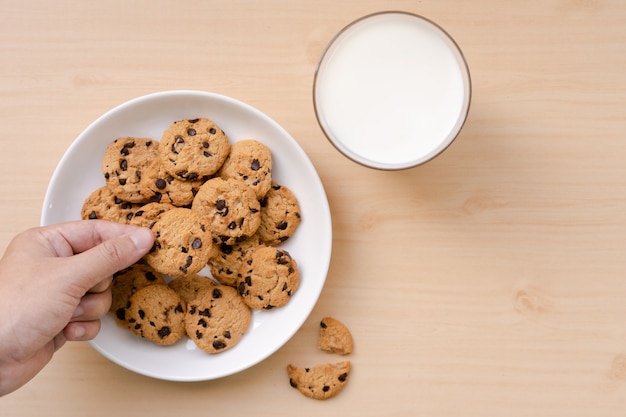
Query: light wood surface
point(488, 282)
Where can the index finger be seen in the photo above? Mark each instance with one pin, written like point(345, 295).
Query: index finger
point(67, 239)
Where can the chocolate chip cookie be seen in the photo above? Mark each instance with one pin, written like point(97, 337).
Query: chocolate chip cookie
point(280, 215)
point(191, 149)
point(227, 259)
point(147, 214)
point(189, 286)
point(123, 165)
point(125, 283)
point(217, 320)
point(182, 243)
point(268, 278)
point(104, 205)
point(158, 185)
point(249, 161)
point(157, 313)
point(232, 211)
point(321, 382)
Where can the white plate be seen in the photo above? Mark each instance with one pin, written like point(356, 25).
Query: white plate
point(79, 173)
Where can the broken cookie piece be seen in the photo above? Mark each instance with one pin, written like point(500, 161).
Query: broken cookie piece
point(320, 382)
point(335, 337)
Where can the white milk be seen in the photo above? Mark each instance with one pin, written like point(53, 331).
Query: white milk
point(392, 91)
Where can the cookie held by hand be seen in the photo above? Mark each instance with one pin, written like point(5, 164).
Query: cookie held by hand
point(182, 243)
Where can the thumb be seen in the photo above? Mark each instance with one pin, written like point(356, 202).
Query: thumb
point(103, 260)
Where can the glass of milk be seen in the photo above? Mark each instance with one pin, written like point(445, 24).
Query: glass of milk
point(392, 90)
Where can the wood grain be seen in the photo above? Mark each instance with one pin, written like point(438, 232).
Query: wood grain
point(488, 282)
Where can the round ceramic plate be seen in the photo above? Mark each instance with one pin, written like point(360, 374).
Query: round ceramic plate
point(79, 173)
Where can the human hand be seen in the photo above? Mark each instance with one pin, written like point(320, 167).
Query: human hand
point(55, 286)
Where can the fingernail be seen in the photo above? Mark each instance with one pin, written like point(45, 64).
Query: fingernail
point(79, 332)
point(142, 238)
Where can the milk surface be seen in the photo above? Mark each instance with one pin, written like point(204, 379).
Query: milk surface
point(391, 90)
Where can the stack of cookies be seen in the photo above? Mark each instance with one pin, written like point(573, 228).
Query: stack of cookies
point(210, 203)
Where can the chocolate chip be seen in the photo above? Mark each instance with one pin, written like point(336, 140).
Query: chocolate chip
point(142, 314)
point(202, 323)
point(293, 383)
point(212, 131)
point(120, 313)
point(325, 388)
point(122, 181)
point(160, 183)
point(191, 132)
point(282, 226)
point(218, 345)
point(125, 149)
point(256, 165)
point(227, 334)
point(199, 334)
point(226, 249)
point(93, 215)
point(343, 377)
point(197, 243)
point(323, 325)
point(205, 313)
point(232, 225)
point(205, 144)
point(217, 293)
point(179, 309)
point(124, 165)
point(193, 120)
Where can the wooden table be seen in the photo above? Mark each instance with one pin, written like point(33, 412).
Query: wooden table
point(488, 282)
